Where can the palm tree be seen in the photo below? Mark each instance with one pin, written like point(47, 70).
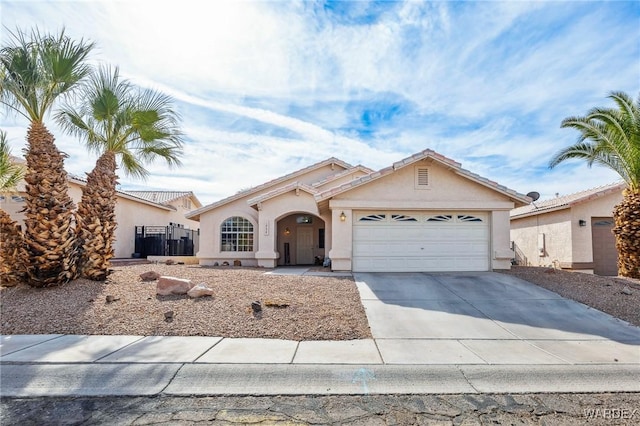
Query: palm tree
point(35, 72)
point(611, 137)
point(118, 122)
point(12, 252)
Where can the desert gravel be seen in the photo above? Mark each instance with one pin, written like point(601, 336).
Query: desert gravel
point(616, 296)
point(319, 308)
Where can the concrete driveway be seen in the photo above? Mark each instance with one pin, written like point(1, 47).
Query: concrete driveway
point(487, 318)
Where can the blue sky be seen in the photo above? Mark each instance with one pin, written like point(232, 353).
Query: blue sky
point(267, 87)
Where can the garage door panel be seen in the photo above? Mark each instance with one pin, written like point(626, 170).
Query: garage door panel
point(454, 242)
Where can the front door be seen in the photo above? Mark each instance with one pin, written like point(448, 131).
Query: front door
point(304, 246)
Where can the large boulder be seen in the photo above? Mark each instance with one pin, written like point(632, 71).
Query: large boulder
point(172, 285)
point(200, 290)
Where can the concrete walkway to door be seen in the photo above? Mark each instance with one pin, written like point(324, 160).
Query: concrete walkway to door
point(487, 318)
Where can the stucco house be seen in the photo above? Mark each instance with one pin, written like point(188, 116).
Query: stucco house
point(570, 232)
point(136, 213)
point(422, 213)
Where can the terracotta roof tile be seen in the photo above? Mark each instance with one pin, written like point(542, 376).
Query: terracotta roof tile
point(567, 201)
point(427, 153)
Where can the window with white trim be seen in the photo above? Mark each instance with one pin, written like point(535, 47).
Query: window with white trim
point(236, 234)
point(422, 178)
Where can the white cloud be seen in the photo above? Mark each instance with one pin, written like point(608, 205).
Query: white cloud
point(478, 81)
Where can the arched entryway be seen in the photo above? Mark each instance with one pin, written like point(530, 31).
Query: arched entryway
point(301, 239)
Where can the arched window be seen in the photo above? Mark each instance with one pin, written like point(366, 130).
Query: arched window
point(236, 234)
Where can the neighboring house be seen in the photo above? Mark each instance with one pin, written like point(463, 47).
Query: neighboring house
point(423, 213)
point(569, 232)
point(144, 216)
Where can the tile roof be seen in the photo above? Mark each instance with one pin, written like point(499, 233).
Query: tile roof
point(83, 181)
point(343, 173)
point(332, 160)
point(161, 197)
point(427, 153)
point(281, 190)
point(566, 201)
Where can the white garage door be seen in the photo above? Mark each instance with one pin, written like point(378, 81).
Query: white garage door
point(406, 241)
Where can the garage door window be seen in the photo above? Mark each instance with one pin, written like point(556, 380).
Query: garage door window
point(373, 218)
point(440, 218)
point(403, 218)
point(467, 218)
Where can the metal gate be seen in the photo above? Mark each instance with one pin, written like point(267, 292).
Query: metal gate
point(172, 240)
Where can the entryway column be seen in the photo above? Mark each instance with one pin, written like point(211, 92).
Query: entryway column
point(341, 239)
point(266, 255)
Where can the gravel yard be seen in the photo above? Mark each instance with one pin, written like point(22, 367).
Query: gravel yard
point(607, 294)
point(318, 308)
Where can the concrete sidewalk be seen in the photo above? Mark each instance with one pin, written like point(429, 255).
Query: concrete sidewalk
point(432, 334)
point(70, 365)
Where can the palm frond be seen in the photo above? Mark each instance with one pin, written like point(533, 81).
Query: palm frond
point(138, 126)
point(10, 173)
point(609, 137)
point(38, 68)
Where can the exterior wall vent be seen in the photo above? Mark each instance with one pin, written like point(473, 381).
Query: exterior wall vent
point(422, 178)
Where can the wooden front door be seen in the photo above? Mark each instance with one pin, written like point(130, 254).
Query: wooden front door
point(304, 246)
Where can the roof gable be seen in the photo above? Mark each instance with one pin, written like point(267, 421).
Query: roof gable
point(333, 178)
point(297, 186)
point(567, 201)
point(448, 163)
point(269, 186)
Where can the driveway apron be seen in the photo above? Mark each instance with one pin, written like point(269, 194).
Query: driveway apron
point(487, 318)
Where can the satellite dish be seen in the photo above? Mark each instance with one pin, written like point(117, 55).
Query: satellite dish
point(533, 195)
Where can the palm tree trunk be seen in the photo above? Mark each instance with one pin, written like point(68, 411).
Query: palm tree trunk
point(49, 213)
point(97, 222)
point(627, 232)
point(13, 253)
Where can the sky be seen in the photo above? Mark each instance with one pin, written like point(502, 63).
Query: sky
point(265, 88)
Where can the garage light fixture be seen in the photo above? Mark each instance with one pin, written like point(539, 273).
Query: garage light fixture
point(287, 231)
point(582, 222)
point(343, 217)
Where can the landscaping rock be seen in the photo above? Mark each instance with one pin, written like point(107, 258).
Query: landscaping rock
point(200, 290)
point(169, 262)
point(626, 290)
point(237, 263)
point(256, 307)
point(149, 276)
point(172, 285)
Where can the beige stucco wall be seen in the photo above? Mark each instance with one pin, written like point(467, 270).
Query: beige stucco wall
point(582, 243)
point(557, 229)
point(128, 213)
point(265, 222)
point(397, 191)
point(210, 241)
point(566, 242)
